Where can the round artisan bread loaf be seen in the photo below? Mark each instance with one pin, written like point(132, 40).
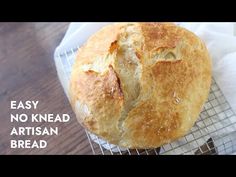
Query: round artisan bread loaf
point(140, 85)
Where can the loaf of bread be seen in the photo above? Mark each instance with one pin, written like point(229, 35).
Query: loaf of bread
point(140, 85)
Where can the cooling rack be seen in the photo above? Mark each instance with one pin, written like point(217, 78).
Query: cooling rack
point(213, 133)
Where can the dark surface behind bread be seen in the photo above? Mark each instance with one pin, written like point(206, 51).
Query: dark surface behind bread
point(27, 72)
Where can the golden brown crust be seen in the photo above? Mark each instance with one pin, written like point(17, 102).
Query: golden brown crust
point(140, 85)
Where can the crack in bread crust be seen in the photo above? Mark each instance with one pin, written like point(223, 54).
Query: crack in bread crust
point(127, 65)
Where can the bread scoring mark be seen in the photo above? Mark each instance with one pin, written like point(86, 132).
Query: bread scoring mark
point(127, 65)
point(166, 54)
point(170, 55)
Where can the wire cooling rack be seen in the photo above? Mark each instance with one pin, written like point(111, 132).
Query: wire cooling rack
point(213, 133)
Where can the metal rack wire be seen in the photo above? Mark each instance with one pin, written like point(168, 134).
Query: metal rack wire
point(213, 133)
